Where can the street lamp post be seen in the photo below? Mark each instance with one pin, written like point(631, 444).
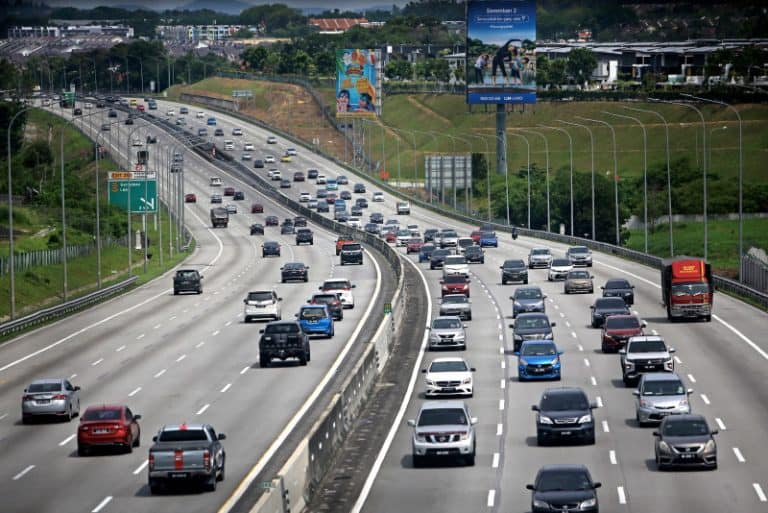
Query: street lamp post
point(546, 150)
point(488, 171)
point(592, 153)
point(645, 173)
point(528, 151)
point(615, 172)
point(570, 150)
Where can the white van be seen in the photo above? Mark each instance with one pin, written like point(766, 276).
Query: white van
point(215, 181)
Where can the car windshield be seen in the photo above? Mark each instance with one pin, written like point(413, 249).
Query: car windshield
point(271, 245)
point(281, 328)
point(561, 480)
point(446, 324)
point(442, 417)
point(110, 414)
point(666, 387)
point(541, 251)
point(454, 260)
point(487, 235)
point(561, 262)
point(449, 233)
point(37, 388)
point(695, 427)
point(403, 233)
point(450, 366)
point(563, 402)
point(648, 346)
point(531, 322)
point(472, 249)
point(260, 296)
point(578, 275)
point(466, 242)
point(621, 323)
point(312, 314)
point(538, 350)
point(511, 264)
point(527, 294)
point(617, 284)
point(428, 248)
point(325, 298)
point(455, 278)
point(183, 435)
point(694, 289)
point(455, 299)
point(610, 303)
point(579, 250)
point(441, 252)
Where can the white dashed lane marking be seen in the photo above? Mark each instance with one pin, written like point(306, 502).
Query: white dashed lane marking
point(622, 495)
point(119, 349)
point(134, 391)
point(612, 457)
point(97, 362)
point(140, 337)
point(705, 399)
point(245, 369)
point(140, 468)
point(101, 505)
point(606, 428)
point(690, 376)
point(66, 440)
point(760, 493)
point(202, 410)
point(738, 454)
point(593, 380)
point(23, 473)
point(180, 358)
point(491, 498)
point(720, 423)
point(160, 373)
point(499, 429)
point(226, 387)
point(495, 462)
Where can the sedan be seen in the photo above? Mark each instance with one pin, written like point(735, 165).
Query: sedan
point(607, 306)
point(359, 188)
point(514, 270)
point(425, 253)
point(474, 255)
point(108, 426)
point(269, 159)
point(458, 305)
point(564, 413)
point(345, 195)
point(619, 287)
point(247, 146)
point(377, 217)
point(45, 397)
point(287, 229)
point(531, 326)
point(190, 198)
point(617, 329)
point(298, 176)
point(413, 245)
point(488, 239)
point(257, 229)
point(216, 198)
point(559, 268)
point(239, 196)
point(448, 376)
point(529, 298)
point(312, 174)
point(270, 248)
point(455, 284)
point(538, 359)
point(285, 184)
point(578, 281)
point(294, 271)
point(231, 208)
point(557, 487)
point(257, 208)
point(304, 197)
point(271, 221)
point(685, 441)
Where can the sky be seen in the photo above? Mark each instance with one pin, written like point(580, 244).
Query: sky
point(171, 4)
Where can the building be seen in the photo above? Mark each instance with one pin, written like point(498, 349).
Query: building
point(70, 31)
point(337, 25)
point(199, 32)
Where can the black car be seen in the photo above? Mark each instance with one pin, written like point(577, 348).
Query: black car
point(271, 221)
point(239, 195)
point(294, 271)
point(474, 255)
point(605, 306)
point(270, 248)
point(685, 441)
point(619, 287)
point(372, 228)
point(361, 202)
point(429, 234)
point(531, 326)
point(129, 121)
point(312, 174)
point(564, 413)
point(514, 270)
point(257, 229)
point(218, 132)
point(377, 217)
point(356, 211)
point(300, 222)
point(437, 258)
point(305, 236)
point(287, 229)
point(283, 339)
point(359, 188)
point(351, 253)
point(564, 488)
point(151, 139)
point(345, 195)
point(258, 163)
point(330, 300)
point(187, 280)
point(322, 206)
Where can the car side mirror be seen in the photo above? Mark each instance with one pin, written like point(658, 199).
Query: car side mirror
point(597, 484)
point(154, 438)
point(543, 296)
point(530, 487)
point(636, 393)
point(689, 391)
point(714, 432)
point(516, 353)
point(412, 423)
point(353, 286)
point(245, 301)
point(591, 307)
point(591, 277)
point(136, 417)
point(656, 433)
point(25, 390)
point(535, 407)
point(261, 331)
point(442, 282)
point(501, 267)
point(222, 436)
point(201, 276)
point(77, 388)
point(464, 326)
point(622, 351)
point(552, 324)
point(473, 421)
point(295, 315)
point(671, 350)
point(511, 324)
point(644, 324)
point(423, 371)
point(511, 297)
point(602, 288)
point(319, 288)
point(472, 369)
point(593, 406)
point(560, 351)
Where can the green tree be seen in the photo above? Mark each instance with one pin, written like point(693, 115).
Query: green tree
point(255, 57)
point(398, 69)
point(581, 63)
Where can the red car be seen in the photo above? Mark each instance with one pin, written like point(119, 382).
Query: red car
point(413, 245)
point(391, 236)
point(617, 329)
point(476, 236)
point(140, 107)
point(330, 198)
point(108, 425)
point(272, 221)
point(298, 176)
point(455, 284)
point(257, 208)
point(190, 198)
point(229, 191)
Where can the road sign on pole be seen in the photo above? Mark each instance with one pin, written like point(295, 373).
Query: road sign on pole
point(143, 190)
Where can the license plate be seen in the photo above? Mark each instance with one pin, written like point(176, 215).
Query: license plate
point(687, 456)
point(442, 453)
point(565, 433)
point(43, 401)
point(100, 431)
point(179, 475)
point(449, 390)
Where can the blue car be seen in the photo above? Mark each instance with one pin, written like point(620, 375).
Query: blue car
point(211, 121)
point(488, 239)
point(425, 253)
point(316, 320)
point(538, 359)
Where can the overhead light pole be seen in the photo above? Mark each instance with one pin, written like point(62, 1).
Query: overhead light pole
point(570, 151)
point(592, 153)
point(546, 150)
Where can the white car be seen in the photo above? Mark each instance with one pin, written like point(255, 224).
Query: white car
point(269, 159)
point(343, 288)
point(449, 376)
point(170, 112)
point(559, 268)
point(448, 238)
point(271, 139)
point(455, 264)
point(291, 152)
point(402, 237)
point(378, 196)
point(246, 156)
point(248, 147)
point(414, 229)
point(229, 145)
point(403, 208)
point(200, 114)
point(304, 197)
point(274, 174)
point(312, 203)
point(231, 208)
point(320, 179)
point(262, 304)
point(137, 142)
point(355, 222)
point(237, 131)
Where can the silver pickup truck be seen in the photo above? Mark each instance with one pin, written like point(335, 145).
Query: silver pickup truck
point(186, 452)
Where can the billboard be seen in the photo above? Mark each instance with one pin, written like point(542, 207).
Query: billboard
point(501, 59)
point(358, 92)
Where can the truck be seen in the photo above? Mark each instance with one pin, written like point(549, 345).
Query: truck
point(283, 340)
point(687, 289)
point(219, 217)
point(186, 452)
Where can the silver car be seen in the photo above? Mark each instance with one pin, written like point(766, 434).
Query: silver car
point(578, 281)
point(526, 299)
point(447, 332)
point(456, 304)
point(539, 257)
point(659, 395)
point(443, 429)
point(50, 397)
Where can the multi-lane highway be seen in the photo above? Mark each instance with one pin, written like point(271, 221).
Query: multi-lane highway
point(170, 358)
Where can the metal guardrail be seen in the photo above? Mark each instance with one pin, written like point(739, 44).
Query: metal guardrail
point(53, 312)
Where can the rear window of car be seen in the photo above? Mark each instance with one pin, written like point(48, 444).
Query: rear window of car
point(44, 387)
point(561, 262)
point(281, 328)
point(351, 247)
point(110, 414)
point(183, 435)
point(312, 314)
point(453, 260)
point(578, 275)
point(259, 296)
point(338, 284)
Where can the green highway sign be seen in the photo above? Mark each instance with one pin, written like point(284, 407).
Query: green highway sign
point(387, 308)
point(143, 190)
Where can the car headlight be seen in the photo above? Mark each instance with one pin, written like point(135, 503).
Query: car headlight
point(629, 365)
point(664, 446)
point(710, 446)
point(540, 304)
point(585, 418)
point(420, 438)
point(518, 337)
point(555, 361)
point(516, 304)
point(430, 382)
point(548, 335)
point(644, 403)
point(543, 419)
point(434, 337)
point(669, 365)
point(466, 381)
point(523, 362)
point(464, 436)
point(589, 503)
point(540, 504)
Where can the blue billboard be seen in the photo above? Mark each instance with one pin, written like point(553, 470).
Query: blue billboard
point(501, 51)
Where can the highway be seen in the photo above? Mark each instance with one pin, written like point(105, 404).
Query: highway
point(723, 361)
point(172, 359)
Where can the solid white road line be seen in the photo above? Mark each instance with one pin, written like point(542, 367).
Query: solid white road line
point(705, 399)
point(160, 373)
point(172, 317)
point(202, 410)
point(612, 457)
point(738, 454)
point(156, 326)
point(140, 467)
point(66, 440)
point(135, 391)
point(720, 423)
point(622, 495)
point(491, 498)
point(495, 462)
point(4, 415)
point(573, 334)
point(23, 472)
point(226, 387)
point(759, 491)
point(101, 505)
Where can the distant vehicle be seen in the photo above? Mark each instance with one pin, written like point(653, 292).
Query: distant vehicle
point(448, 376)
point(291, 152)
point(403, 208)
point(190, 198)
point(578, 281)
point(283, 340)
point(463, 243)
point(212, 122)
point(539, 257)
point(341, 286)
point(202, 132)
point(425, 253)
point(298, 176)
point(443, 429)
point(229, 144)
point(237, 131)
point(294, 271)
point(351, 253)
point(687, 289)
point(219, 216)
point(332, 301)
point(258, 163)
point(231, 208)
point(270, 248)
point(257, 229)
point(560, 486)
point(183, 110)
point(488, 239)
point(271, 139)
point(447, 332)
point(579, 255)
point(239, 196)
point(559, 269)
point(342, 180)
point(685, 441)
point(248, 147)
point(458, 305)
point(564, 413)
point(378, 196)
point(218, 132)
point(448, 238)
point(606, 306)
point(312, 174)
point(619, 287)
point(257, 208)
point(531, 326)
point(437, 258)
point(316, 320)
point(262, 304)
point(285, 158)
point(455, 264)
point(528, 299)
point(216, 198)
point(617, 329)
point(108, 426)
point(413, 245)
point(538, 359)
point(50, 397)
point(455, 284)
point(304, 236)
point(112, 113)
point(304, 197)
point(320, 179)
point(271, 221)
point(186, 452)
point(269, 159)
point(644, 354)
point(200, 114)
point(105, 127)
point(187, 280)
point(658, 395)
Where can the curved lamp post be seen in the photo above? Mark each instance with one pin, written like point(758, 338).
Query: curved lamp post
point(546, 150)
point(570, 150)
point(592, 153)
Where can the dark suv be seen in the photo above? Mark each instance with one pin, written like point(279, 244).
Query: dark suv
point(283, 340)
point(187, 280)
point(564, 413)
point(564, 488)
point(351, 253)
point(330, 300)
point(305, 236)
point(514, 270)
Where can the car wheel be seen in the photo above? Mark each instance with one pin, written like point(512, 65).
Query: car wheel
point(469, 317)
point(659, 464)
point(309, 356)
point(282, 280)
point(540, 440)
point(263, 361)
point(604, 349)
point(154, 488)
point(137, 442)
point(175, 292)
point(129, 447)
point(637, 419)
point(211, 485)
point(592, 291)
point(591, 438)
point(525, 282)
point(82, 450)
point(342, 263)
point(200, 290)
point(503, 282)
point(470, 460)
point(418, 461)
point(303, 360)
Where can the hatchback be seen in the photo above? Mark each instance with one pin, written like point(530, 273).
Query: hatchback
point(332, 301)
point(316, 320)
point(447, 332)
point(108, 426)
point(658, 395)
point(538, 359)
point(55, 397)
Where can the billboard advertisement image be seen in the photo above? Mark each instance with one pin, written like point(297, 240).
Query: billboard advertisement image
point(357, 87)
point(501, 51)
